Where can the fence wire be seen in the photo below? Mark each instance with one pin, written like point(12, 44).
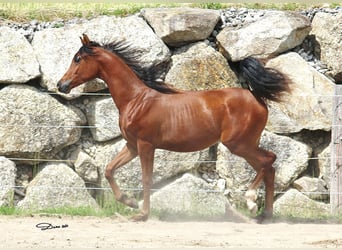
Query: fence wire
point(138, 189)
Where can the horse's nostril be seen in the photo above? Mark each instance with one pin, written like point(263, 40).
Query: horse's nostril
point(63, 86)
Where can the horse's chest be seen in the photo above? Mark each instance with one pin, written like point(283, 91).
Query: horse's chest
point(130, 124)
point(126, 127)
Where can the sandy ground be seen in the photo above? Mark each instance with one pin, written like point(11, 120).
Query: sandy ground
point(91, 232)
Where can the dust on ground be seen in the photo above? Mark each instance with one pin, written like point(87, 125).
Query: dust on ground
point(116, 232)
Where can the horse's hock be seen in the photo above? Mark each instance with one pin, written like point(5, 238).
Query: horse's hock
point(298, 130)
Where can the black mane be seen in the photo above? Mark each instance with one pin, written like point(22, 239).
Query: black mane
point(149, 75)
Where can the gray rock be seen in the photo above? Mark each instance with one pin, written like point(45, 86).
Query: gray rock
point(7, 181)
point(17, 60)
point(177, 26)
point(103, 117)
point(274, 33)
point(327, 31)
point(85, 166)
point(314, 188)
point(292, 158)
point(309, 105)
point(191, 197)
point(324, 164)
point(199, 67)
point(56, 186)
point(34, 123)
point(295, 204)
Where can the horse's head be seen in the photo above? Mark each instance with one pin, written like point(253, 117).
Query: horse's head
point(82, 69)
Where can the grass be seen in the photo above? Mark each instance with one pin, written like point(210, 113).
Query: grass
point(117, 208)
point(72, 211)
point(108, 207)
point(25, 12)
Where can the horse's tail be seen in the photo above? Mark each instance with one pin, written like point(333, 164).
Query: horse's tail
point(265, 83)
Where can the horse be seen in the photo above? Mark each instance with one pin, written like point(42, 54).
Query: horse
point(154, 115)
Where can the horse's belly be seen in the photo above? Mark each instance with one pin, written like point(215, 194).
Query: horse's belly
point(184, 143)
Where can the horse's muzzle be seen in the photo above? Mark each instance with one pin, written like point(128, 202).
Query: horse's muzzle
point(64, 86)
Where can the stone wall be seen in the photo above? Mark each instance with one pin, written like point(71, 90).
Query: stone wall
point(45, 134)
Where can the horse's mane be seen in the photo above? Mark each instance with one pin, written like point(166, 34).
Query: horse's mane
point(149, 75)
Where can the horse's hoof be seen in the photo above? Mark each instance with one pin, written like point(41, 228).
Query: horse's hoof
point(264, 218)
point(131, 202)
point(139, 217)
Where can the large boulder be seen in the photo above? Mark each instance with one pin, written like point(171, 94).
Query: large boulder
point(103, 118)
point(177, 26)
point(191, 197)
point(274, 33)
point(295, 204)
point(314, 188)
point(199, 67)
point(326, 28)
point(85, 166)
point(309, 105)
point(8, 172)
point(17, 60)
point(324, 165)
point(34, 124)
point(56, 186)
point(55, 48)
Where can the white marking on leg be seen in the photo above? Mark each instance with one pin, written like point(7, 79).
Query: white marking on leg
point(251, 197)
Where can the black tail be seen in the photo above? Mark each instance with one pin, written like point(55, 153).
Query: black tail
point(265, 83)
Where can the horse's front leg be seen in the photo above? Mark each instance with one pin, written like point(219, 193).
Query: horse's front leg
point(146, 154)
point(126, 154)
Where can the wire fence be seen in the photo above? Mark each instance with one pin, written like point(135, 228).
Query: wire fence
point(139, 189)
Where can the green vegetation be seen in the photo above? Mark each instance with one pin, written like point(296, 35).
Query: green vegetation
point(117, 208)
point(7, 210)
point(108, 206)
point(24, 12)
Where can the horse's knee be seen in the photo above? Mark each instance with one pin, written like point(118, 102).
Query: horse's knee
point(108, 174)
point(267, 163)
point(272, 157)
point(268, 166)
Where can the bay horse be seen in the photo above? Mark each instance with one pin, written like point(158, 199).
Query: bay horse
point(154, 115)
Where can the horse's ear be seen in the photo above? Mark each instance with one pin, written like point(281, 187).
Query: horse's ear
point(85, 40)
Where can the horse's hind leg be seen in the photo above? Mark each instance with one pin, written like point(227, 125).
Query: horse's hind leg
point(251, 194)
point(124, 156)
point(261, 160)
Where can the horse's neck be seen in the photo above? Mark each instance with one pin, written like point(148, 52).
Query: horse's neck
point(122, 82)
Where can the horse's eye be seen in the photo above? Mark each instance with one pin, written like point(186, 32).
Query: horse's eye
point(77, 59)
